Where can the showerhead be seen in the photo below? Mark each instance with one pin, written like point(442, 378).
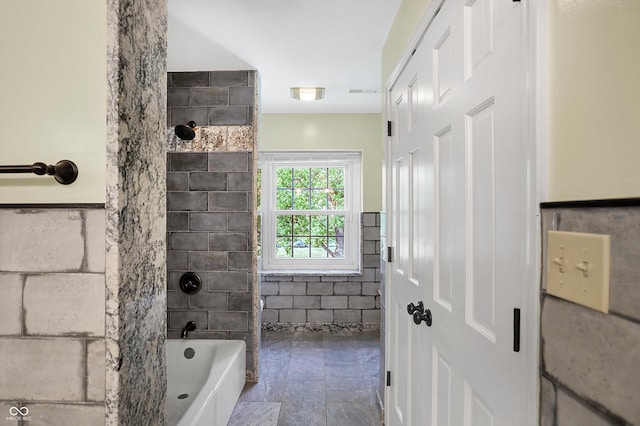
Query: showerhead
point(185, 131)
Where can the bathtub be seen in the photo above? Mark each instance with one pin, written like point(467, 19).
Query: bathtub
point(204, 380)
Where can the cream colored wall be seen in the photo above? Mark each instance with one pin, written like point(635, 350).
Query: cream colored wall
point(53, 97)
point(346, 132)
point(407, 19)
point(594, 93)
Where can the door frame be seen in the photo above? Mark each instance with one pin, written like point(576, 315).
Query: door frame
point(534, 134)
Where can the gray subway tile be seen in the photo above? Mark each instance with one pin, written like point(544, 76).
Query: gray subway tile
point(189, 241)
point(208, 301)
point(177, 300)
point(228, 241)
point(188, 201)
point(371, 233)
point(206, 221)
point(207, 181)
point(230, 321)
point(231, 281)
point(239, 260)
point(241, 96)
point(178, 319)
point(229, 116)
point(189, 78)
point(228, 201)
point(241, 221)
point(229, 78)
point(177, 221)
point(177, 260)
point(306, 278)
point(188, 161)
point(183, 115)
point(208, 96)
point(208, 261)
point(177, 181)
point(228, 162)
point(177, 96)
point(241, 181)
point(240, 301)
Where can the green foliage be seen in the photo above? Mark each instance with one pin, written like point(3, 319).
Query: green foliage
point(310, 236)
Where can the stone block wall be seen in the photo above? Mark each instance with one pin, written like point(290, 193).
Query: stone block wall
point(330, 301)
point(590, 361)
point(52, 314)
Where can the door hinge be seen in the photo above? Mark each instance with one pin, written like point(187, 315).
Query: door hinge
point(390, 254)
point(388, 378)
point(516, 329)
point(389, 128)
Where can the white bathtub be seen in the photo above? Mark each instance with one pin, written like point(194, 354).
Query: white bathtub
point(204, 389)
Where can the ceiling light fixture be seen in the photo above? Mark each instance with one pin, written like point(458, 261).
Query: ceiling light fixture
point(307, 94)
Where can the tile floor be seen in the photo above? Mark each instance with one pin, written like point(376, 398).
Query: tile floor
point(313, 378)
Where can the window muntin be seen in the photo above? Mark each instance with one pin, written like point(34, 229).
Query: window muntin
point(310, 211)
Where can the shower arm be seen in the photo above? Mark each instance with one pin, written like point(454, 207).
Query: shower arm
point(64, 172)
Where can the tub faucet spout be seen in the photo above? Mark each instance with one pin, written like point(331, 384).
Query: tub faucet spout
point(191, 325)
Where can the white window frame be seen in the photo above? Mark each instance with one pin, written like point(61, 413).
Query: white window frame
point(352, 163)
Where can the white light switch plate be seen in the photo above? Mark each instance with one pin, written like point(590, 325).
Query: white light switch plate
point(578, 268)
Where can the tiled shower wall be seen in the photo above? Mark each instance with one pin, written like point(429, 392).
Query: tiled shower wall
point(590, 361)
point(210, 203)
point(216, 98)
point(209, 224)
point(52, 314)
point(328, 301)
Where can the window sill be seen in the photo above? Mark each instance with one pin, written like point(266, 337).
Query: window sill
point(308, 272)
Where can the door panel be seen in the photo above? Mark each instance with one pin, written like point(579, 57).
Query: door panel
point(457, 221)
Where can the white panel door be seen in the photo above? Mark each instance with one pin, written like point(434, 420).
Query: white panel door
point(457, 221)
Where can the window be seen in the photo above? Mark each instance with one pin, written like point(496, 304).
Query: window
point(310, 211)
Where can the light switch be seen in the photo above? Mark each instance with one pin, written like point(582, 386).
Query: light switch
point(578, 268)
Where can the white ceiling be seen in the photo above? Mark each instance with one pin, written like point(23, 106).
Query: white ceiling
point(334, 44)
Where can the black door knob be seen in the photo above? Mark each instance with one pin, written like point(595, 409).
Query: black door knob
point(411, 308)
point(425, 316)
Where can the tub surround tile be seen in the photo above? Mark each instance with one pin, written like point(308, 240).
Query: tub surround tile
point(136, 211)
